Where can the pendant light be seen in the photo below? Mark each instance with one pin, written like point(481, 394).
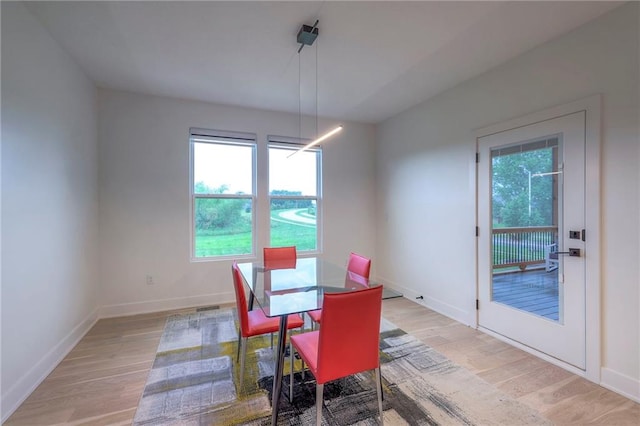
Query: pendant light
point(306, 36)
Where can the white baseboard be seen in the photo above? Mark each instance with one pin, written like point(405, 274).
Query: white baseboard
point(14, 396)
point(135, 308)
point(624, 385)
point(431, 303)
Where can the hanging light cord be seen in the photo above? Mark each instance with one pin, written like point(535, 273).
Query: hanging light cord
point(317, 43)
point(326, 135)
point(299, 97)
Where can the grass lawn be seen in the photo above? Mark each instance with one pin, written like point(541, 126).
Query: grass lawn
point(302, 236)
point(223, 245)
point(288, 234)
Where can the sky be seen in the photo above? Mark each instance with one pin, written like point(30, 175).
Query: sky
point(217, 164)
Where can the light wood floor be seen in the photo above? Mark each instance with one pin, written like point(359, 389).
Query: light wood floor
point(102, 378)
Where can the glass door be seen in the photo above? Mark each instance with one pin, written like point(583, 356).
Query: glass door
point(525, 183)
point(531, 280)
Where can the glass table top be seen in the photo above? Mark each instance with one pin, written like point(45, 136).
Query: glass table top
point(294, 287)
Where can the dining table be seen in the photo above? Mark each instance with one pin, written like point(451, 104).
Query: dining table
point(297, 286)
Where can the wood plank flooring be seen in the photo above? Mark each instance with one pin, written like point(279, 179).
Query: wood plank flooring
point(534, 291)
point(102, 378)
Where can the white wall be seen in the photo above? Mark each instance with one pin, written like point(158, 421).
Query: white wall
point(144, 197)
point(49, 204)
point(426, 178)
point(425, 185)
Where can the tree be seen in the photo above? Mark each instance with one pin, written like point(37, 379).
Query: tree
point(218, 215)
point(520, 196)
point(284, 203)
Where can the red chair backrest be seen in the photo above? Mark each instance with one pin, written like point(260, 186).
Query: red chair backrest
point(279, 257)
point(241, 299)
point(359, 265)
point(354, 281)
point(349, 340)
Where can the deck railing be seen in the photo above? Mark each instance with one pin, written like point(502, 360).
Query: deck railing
point(521, 246)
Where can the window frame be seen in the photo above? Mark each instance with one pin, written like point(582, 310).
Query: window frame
point(221, 137)
point(293, 144)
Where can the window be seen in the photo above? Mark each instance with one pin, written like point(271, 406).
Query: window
point(294, 195)
point(222, 193)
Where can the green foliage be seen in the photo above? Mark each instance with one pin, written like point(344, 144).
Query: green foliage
point(283, 203)
point(237, 239)
point(511, 197)
point(220, 216)
point(202, 188)
point(223, 225)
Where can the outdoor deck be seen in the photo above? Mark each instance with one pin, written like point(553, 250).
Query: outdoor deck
point(534, 291)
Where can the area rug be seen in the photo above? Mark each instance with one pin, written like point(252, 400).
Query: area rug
point(194, 381)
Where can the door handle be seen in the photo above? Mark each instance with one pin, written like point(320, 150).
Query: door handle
point(573, 252)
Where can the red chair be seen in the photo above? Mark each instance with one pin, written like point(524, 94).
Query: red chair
point(279, 257)
point(336, 351)
point(254, 323)
point(359, 265)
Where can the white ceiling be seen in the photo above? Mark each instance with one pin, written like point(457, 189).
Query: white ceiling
point(375, 59)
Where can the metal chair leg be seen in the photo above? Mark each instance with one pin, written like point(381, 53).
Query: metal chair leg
point(379, 392)
point(242, 358)
point(302, 360)
point(319, 391)
point(291, 372)
point(380, 385)
point(239, 338)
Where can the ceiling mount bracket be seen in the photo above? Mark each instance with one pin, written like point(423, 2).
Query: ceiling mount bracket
point(307, 35)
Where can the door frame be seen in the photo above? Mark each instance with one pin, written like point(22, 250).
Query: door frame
point(593, 118)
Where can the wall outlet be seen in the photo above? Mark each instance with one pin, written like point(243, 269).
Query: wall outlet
point(150, 280)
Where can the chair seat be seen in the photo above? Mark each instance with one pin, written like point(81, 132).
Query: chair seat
point(260, 324)
point(316, 316)
point(307, 345)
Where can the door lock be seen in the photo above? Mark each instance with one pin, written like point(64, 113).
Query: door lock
point(573, 252)
point(578, 235)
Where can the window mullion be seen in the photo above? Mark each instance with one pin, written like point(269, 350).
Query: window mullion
point(293, 197)
point(231, 196)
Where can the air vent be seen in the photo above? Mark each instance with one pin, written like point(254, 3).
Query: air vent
point(207, 308)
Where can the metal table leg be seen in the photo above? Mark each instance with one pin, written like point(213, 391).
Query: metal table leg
point(277, 375)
